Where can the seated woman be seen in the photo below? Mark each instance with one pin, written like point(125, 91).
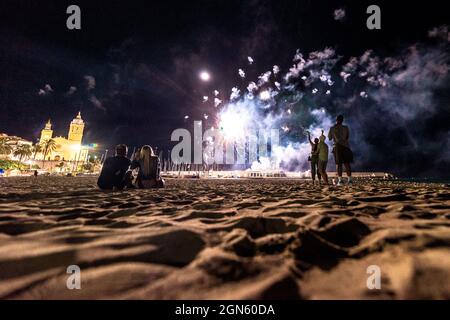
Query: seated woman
point(148, 169)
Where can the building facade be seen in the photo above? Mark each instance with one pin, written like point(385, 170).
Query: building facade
point(67, 149)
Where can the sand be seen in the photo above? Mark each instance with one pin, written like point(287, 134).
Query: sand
point(224, 239)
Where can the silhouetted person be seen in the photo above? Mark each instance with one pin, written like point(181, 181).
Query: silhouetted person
point(35, 173)
point(149, 169)
point(343, 155)
point(314, 158)
point(322, 152)
point(113, 175)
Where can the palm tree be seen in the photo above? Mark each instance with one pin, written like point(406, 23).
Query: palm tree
point(37, 148)
point(5, 147)
point(48, 146)
point(23, 150)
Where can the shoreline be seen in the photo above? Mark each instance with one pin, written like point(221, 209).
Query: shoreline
point(357, 176)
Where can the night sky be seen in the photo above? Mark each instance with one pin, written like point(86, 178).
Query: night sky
point(145, 57)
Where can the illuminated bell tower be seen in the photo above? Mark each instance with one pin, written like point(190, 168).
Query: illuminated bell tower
point(76, 130)
point(47, 132)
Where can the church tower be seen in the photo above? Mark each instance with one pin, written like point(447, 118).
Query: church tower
point(76, 130)
point(47, 132)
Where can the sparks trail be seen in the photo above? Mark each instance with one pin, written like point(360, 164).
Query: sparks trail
point(396, 91)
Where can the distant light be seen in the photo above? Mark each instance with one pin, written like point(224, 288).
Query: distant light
point(265, 95)
point(205, 76)
point(217, 101)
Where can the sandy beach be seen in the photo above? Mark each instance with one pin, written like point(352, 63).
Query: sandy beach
point(224, 239)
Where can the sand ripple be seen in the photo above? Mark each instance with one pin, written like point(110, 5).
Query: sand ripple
point(223, 239)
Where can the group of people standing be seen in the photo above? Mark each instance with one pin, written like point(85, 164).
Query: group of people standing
point(141, 171)
point(343, 155)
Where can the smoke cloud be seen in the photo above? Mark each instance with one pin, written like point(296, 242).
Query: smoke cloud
point(389, 104)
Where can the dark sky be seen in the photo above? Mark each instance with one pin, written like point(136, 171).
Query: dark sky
point(145, 56)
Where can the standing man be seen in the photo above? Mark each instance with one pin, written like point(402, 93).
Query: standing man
point(322, 150)
point(113, 175)
point(343, 155)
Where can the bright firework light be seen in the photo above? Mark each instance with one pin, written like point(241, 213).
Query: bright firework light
point(234, 121)
point(265, 95)
point(250, 106)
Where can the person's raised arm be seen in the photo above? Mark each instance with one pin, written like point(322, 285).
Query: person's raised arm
point(309, 138)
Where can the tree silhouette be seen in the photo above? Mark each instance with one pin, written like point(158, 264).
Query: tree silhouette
point(37, 148)
point(5, 148)
point(23, 151)
point(48, 146)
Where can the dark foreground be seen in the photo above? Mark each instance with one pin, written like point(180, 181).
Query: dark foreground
point(224, 239)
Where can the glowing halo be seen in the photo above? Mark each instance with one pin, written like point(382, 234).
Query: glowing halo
point(265, 95)
point(205, 76)
point(234, 122)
